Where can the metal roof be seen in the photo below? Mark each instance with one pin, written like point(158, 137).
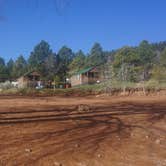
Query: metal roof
point(31, 72)
point(84, 71)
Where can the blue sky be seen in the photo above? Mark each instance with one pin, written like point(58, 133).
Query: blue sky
point(78, 24)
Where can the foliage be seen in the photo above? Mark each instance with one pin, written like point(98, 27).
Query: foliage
point(96, 56)
point(145, 62)
point(57, 81)
point(43, 60)
point(50, 67)
point(39, 54)
point(19, 67)
point(10, 67)
point(163, 58)
point(6, 85)
point(4, 74)
point(146, 56)
point(126, 64)
point(2, 62)
point(64, 57)
point(78, 63)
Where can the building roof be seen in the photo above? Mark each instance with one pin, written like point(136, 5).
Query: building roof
point(84, 71)
point(32, 73)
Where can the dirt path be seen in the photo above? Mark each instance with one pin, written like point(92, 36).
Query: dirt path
point(118, 131)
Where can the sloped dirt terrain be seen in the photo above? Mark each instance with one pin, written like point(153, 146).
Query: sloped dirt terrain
point(74, 131)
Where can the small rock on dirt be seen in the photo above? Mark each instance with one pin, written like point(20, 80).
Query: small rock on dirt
point(83, 108)
point(132, 134)
point(157, 141)
point(99, 155)
point(77, 145)
point(81, 164)
point(57, 164)
point(28, 150)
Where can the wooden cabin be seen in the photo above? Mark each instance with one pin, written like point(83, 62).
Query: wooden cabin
point(87, 76)
point(30, 79)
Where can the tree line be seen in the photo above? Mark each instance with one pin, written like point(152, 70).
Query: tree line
point(134, 64)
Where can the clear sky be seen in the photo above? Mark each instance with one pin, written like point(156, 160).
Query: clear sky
point(78, 24)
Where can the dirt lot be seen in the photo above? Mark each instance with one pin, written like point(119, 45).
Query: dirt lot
point(91, 131)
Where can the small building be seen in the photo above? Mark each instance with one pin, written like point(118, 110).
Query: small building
point(31, 79)
point(89, 75)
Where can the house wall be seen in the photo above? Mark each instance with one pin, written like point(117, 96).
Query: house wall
point(92, 80)
point(76, 80)
point(90, 77)
point(85, 79)
point(29, 80)
point(81, 79)
point(22, 82)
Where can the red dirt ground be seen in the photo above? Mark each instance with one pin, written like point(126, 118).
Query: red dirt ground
point(74, 131)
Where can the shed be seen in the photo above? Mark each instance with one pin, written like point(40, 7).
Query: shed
point(31, 79)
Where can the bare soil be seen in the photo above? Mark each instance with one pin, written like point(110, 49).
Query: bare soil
point(89, 131)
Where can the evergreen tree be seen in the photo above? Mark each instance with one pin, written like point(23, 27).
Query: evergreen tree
point(163, 58)
point(79, 61)
point(2, 62)
point(4, 75)
point(159, 70)
point(51, 66)
point(96, 56)
point(39, 55)
point(20, 67)
point(126, 64)
point(64, 57)
point(146, 55)
point(10, 66)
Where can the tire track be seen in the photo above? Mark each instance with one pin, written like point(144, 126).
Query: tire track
point(69, 114)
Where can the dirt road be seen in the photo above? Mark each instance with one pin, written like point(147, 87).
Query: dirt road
point(91, 131)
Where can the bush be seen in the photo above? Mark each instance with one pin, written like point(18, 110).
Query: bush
point(6, 85)
point(152, 84)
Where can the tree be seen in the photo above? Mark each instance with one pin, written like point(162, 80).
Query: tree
point(159, 70)
point(64, 57)
point(126, 64)
point(57, 81)
point(163, 58)
point(43, 60)
point(50, 66)
point(2, 62)
point(10, 66)
point(96, 56)
point(159, 73)
point(109, 56)
point(159, 46)
point(78, 62)
point(39, 55)
point(20, 66)
point(3, 70)
point(146, 55)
